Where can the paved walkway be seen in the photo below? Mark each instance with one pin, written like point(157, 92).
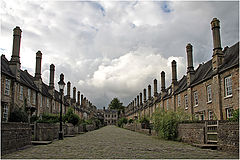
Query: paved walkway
point(113, 142)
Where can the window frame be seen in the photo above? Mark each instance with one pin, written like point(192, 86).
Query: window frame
point(7, 87)
point(29, 95)
point(228, 85)
point(186, 101)
point(209, 93)
point(195, 95)
point(21, 92)
point(5, 112)
point(210, 116)
point(167, 105)
point(227, 112)
point(179, 100)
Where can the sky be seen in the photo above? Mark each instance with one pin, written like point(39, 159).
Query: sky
point(110, 49)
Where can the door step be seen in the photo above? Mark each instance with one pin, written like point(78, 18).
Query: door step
point(206, 146)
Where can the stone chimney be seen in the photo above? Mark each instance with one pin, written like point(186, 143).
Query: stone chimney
point(190, 68)
point(137, 100)
point(218, 56)
point(81, 99)
point(104, 108)
point(149, 92)
point(155, 88)
point(140, 99)
point(15, 59)
point(174, 72)
point(144, 95)
point(163, 89)
point(38, 65)
point(78, 97)
point(68, 89)
point(52, 70)
point(74, 94)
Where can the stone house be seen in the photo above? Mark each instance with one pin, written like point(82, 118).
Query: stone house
point(110, 116)
point(209, 92)
point(20, 89)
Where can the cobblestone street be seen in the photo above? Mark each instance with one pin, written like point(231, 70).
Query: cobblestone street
point(114, 142)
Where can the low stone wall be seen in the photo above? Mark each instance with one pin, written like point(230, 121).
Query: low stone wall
point(192, 132)
point(14, 136)
point(46, 131)
point(228, 136)
point(90, 127)
point(137, 127)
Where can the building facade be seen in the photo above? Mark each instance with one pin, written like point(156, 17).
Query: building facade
point(110, 116)
point(209, 92)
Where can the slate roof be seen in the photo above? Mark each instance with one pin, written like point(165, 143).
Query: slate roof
point(27, 79)
point(57, 96)
point(45, 90)
point(5, 67)
point(182, 84)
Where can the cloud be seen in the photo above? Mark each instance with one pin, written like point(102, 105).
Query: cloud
point(114, 49)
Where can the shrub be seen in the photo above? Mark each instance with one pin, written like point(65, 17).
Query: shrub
point(235, 117)
point(130, 120)
point(71, 117)
point(122, 121)
point(18, 115)
point(166, 123)
point(49, 118)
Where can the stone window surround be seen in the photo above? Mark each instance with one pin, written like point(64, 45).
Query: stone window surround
point(167, 104)
point(228, 86)
point(5, 112)
point(195, 95)
point(209, 93)
point(179, 100)
point(7, 87)
point(29, 95)
point(20, 92)
point(186, 101)
point(34, 97)
point(227, 109)
point(210, 115)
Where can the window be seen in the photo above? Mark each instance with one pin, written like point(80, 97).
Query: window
point(54, 108)
point(201, 116)
point(167, 104)
point(179, 100)
point(29, 95)
point(7, 87)
point(228, 86)
point(21, 93)
point(210, 115)
point(195, 98)
point(41, 98)
point(34, 98)
point(47, 102)
point(5, 112)
point(229, 112)
point(186, 101)
point(209, 93)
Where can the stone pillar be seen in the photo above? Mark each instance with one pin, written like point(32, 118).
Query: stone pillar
point(155, 88)
point(38, 65)
point(149, 92)
point(78, 97)
point(52, 70)
point(68, 89)
point(144, 95)
point(137, 100)
point(163, 89)
point(140, 99)
point(17, 32)
point(74, 94)
point(174, 72)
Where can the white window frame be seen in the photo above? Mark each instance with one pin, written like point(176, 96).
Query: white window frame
point(179, 100)
point(227, 112)
point(186, 101)
point(21, 92)
point(210, 115)
point(54, 107)
point(167, 104)
point(209, 93)
point(228, 86)
point(7, 87)
point(41, 99)
point(34, 98)
point(195, 95)
point(47, 102)
point(29, 94)
point(5, 112)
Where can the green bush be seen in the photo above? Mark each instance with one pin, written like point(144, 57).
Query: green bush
point(144, 120)
point(18, 115)
point(71, 117)
point(49, 118)
point(130, 120)
point(166, 123)
point(33, 118)
point(235, 117)
point(122, 121)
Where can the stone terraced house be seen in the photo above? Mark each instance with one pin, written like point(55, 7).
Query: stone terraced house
point(209, 92)
point(19, 88)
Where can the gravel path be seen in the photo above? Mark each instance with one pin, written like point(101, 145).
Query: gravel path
point(112, 142)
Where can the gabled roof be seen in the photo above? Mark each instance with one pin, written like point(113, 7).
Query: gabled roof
point(5, 67)
point(182, 84)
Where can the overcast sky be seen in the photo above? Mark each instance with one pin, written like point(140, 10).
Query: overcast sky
point(114, 49)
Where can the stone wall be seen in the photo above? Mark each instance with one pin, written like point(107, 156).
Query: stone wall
point(137, 127)
point(46, 131)
point(14, 136)
point(228, 136)
point(192, 132)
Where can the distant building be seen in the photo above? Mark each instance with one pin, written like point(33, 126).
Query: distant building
point(110, 116)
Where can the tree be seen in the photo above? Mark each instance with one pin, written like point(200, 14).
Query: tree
point(116, 104)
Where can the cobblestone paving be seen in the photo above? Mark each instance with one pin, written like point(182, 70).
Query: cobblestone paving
point(112, 142)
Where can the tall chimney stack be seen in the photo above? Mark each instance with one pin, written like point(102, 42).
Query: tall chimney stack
point(51, 82)
point(140, 99)
point(81, 100)
point(217, 48)
point(155, 87)
point(163, 89)
point(38, 65)
point(144, 95)
point(137, 100)
point(78, 97)
point(149, 92)
point(68, 89)
point(17, 32)
point(174, 72)
point(74, 94)
point(189, 58)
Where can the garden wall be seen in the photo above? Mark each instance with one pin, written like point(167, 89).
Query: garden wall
point(14, 136)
